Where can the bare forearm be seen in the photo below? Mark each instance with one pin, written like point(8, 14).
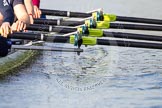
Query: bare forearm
point(21, 13)
point(29, 6)
point(1, 19)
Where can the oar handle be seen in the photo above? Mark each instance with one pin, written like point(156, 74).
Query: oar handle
point(26, 36)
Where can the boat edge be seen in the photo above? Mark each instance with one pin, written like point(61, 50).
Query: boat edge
point(13, 61)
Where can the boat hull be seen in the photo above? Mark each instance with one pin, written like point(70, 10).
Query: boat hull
point(15, 60)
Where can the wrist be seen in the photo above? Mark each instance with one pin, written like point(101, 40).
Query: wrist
point(6, 23)
point(30, 14)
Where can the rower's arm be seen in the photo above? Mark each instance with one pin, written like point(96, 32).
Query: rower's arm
point(37, 11)
point(7, 14)
point(30, 9)
point(29, 6)
point(21, 12)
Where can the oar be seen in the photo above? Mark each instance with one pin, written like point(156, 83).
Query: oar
point(48, 28)
point(77, 40)
point(101, 17)
point(94, 32)
point(58, 22)
point(44, 48)
point(98, 24)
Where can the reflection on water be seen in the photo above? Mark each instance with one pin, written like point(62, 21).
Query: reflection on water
point(101, 77)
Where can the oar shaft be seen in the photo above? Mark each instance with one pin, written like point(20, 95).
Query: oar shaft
point(43, 48)
point(47, 28)
point(65, 13)
point(138, 20)
point(62, 29)
point(129, 44)
point(132, 36)
point(135, 27)
point(57, 22)
point(56, 39)
point(39, 36)
point(35, 27)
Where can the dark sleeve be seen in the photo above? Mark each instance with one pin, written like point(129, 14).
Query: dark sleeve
point(15, 2)
point(7, 11)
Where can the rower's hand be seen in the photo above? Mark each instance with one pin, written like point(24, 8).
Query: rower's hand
point(31, 19)
point(37, 12)
point(5, 29)
point(18, 26)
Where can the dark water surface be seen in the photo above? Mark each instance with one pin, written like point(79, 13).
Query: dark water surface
point(101, 77)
